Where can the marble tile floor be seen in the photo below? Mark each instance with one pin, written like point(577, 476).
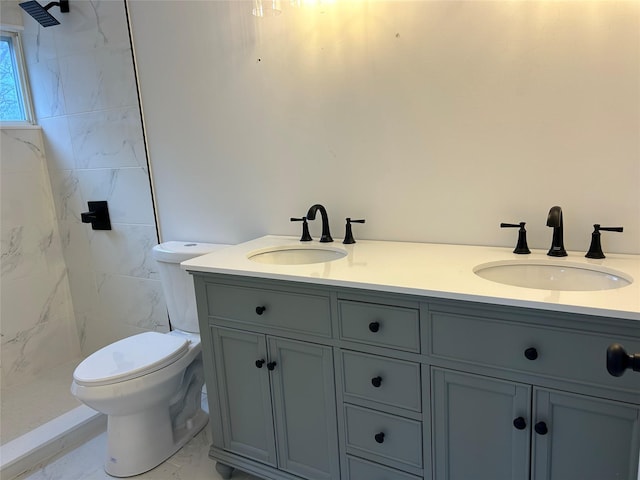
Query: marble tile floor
point(25, 407)
point(85, 463)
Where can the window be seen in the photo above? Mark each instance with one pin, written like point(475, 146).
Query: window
point(15, 102)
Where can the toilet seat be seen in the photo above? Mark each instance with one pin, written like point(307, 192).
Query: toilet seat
point(130, 358)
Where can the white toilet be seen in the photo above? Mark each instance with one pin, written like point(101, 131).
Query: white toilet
point(150, 384)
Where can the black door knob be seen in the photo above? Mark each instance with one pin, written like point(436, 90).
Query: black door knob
point(259, 363)
point(376, 381)
point(379, 437)
point(374, 326)
point(520, 423)
point(260, 310)
point(271, 365)
point(541, 428)
point(618, 360)
point(531, 353)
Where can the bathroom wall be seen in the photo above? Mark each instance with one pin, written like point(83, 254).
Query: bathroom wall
point(38, 330)
point(434, 120)
point(85, 97)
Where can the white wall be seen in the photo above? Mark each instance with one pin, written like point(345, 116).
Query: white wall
point(434, 120)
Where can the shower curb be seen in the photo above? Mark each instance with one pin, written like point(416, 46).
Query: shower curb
point(57, 436)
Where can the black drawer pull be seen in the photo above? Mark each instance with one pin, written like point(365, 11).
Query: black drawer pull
point(260, 310)
point(379, 437)
point(259, 363)
point(618, 360)
point(376, 381)
point(541, 428)
point(271, 365)
point(374, 327)
point(531, 353)
point(520, 423)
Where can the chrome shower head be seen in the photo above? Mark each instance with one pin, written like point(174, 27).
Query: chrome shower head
point(40, 13)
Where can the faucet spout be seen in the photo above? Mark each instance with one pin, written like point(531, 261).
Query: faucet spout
point(311, 215)
point(554, 220)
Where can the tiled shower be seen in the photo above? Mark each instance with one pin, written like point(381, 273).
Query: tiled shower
point(68, 290)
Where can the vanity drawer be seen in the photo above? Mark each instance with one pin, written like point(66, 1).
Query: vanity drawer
point(393, 440)
point(293, 312)
point(545, 350)
point(359, 469)
point(380, 379)
point(382, 325)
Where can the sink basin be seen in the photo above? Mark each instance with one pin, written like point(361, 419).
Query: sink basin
point(553, 276)
point(296, 255)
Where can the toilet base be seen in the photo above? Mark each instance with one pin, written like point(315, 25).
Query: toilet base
point(140, 442)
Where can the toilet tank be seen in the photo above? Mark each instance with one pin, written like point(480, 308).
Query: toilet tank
point(177, 283)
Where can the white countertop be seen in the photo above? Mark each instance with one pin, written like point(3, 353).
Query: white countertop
point(431, 270)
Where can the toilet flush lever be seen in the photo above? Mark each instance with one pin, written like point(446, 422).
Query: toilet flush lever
point(97, 216)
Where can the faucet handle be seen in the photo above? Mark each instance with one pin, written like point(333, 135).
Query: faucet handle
point(521, 248)
point(595, 249)
point(348, 236)
point(306, 236)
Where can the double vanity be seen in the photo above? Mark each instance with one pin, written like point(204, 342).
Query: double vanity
point(406, 361)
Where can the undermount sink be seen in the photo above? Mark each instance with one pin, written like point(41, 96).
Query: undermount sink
point(546, 275)
point(296, 255)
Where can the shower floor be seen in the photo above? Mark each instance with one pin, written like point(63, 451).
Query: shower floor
point(25, 407)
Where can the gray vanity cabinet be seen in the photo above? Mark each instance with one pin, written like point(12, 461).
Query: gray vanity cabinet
point(517, 394)
point(379, 377)
point(473, 427)
point(270, 379)
point(587, 438)
point(277, 401)
point(244, 394)
point(491, 428)
point(311, 382)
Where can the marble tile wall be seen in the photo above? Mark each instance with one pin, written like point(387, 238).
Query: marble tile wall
point(85, 98)
point(37, 326)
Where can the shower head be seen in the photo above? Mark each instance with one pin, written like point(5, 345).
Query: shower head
point(40, 13)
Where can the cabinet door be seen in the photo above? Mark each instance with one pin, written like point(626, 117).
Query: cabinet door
point(304, 407)
point(586, 438)
point(244, 392)
point(474, 433)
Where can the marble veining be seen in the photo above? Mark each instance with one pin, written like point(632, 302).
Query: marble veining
point(36, 304)
point(11, 250)
point(108, 139)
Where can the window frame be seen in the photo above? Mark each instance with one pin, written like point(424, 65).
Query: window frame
point(19, 64)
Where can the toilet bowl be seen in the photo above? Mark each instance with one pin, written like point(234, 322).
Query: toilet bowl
point(150, 384)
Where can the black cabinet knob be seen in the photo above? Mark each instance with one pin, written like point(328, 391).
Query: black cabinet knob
point(379, 437)
point(260, 310)
point(271, 365)
point(541, 428)
point(618, 360)
point(531, 353)
point(376, 381)
point(374, 327)
point(259, 363)
point(520, 423)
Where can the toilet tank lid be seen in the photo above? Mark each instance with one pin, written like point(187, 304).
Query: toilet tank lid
point(176, 251)
point(129, 358)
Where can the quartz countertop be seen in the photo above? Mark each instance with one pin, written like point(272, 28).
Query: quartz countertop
point(431, 271)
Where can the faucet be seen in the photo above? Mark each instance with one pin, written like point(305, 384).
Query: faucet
point(311, 215)
point(557, 243)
